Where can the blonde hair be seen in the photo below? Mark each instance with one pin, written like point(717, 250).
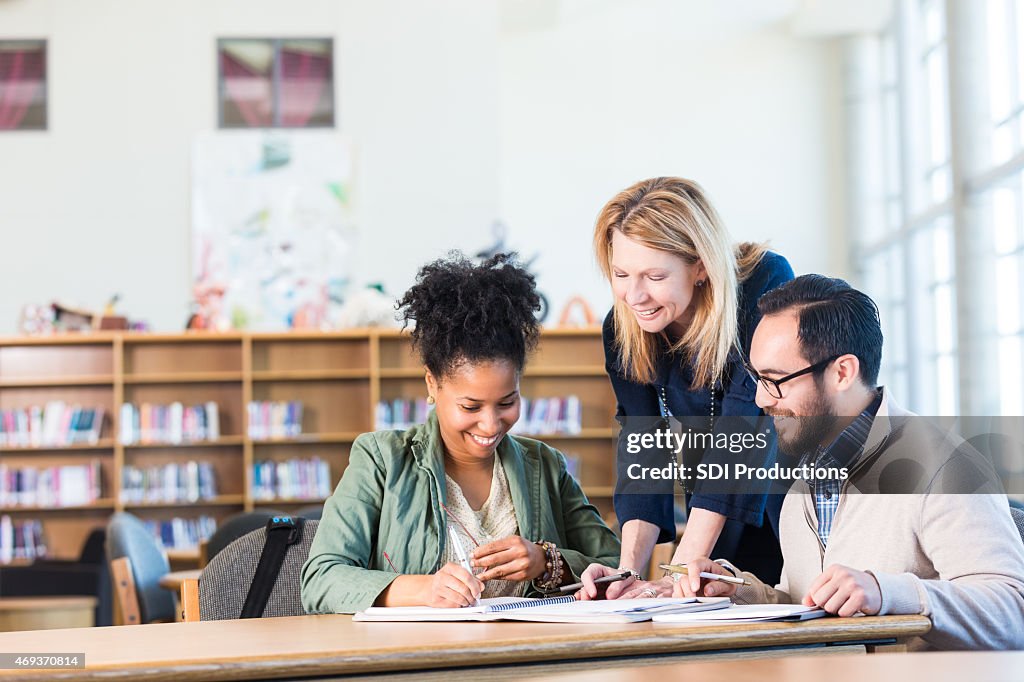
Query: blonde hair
point(673, 215)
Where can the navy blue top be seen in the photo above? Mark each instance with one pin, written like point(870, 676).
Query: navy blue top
point(734, 397)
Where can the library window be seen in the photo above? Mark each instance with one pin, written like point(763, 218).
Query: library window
point(22, 85)
point(276, 83)
point(939, 240)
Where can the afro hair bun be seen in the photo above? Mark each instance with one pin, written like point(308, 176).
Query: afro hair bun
point(467, 312)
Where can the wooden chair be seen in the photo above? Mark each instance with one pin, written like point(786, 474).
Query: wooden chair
point(190, 600)
point(125, 597)
point(137, 562)
point(662, 555)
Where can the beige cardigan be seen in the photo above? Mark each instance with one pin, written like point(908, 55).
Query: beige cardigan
point(956, 558)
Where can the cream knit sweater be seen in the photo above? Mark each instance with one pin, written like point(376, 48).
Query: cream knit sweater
point(956, 558)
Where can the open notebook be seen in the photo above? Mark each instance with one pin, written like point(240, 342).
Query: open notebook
point(746, 613)
point(551, 610)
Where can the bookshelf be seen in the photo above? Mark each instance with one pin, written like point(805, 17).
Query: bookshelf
point(339, 377)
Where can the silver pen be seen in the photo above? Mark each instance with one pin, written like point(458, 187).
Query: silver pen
point(460, 551)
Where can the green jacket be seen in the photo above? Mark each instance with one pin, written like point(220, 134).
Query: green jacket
point(389, 500)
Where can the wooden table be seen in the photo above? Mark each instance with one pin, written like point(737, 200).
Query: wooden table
point(959, 666)
point(320, 646)
point(173, 580)
point(45, 613)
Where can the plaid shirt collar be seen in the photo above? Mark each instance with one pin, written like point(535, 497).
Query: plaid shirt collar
point(846, 449)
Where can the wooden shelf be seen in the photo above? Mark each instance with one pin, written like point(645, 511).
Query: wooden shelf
point(100, 504)
point(226, 441)
point(104, 444)
point(311, 375)
point(260, 502)
point(339, 376)
point(219, 501)
point(182, 378)
point(325, 438)
point(58, 381)
point(183, 554)
point(402, 373)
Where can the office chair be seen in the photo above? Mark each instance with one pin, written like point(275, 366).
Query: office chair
point(234, 527)
point(224, 582)
point(311, 512)
point(137, 562)
point(1018, 519)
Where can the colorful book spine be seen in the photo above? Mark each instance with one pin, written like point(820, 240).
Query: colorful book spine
point(173, 482)
point(180, 533)
point(292, 479)
point(172, 424)
point(274, 420)
point(71, 485)
point(401, 413)
point(21, 540)
point(55, 424)
point(550, 416)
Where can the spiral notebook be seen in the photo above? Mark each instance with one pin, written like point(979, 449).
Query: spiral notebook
point(550, 610)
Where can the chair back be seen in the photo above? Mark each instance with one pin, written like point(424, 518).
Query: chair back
point(224, 583)
point(127, 537)
point(235, 526)
point(1018, 519)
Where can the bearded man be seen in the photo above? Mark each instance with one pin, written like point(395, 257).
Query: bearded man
point(919, 524)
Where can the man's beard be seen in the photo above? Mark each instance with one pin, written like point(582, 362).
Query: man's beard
point(812, 428)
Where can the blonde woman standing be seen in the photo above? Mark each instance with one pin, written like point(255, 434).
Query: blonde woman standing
point(675, 341)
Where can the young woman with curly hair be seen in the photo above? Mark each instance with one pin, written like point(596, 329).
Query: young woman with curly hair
point(523, 520)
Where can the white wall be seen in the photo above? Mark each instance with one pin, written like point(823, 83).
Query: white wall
point(99, 203)
point(593, 103)
point(460, 117)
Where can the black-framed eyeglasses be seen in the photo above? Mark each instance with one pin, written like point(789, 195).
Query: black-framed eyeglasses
point(774, 386)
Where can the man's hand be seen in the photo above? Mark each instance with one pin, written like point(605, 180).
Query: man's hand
point(692, 585)
point(591, 591)
point(845, 591)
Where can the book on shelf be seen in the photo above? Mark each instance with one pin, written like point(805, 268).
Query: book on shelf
point(180, 533)
point(69, 485)
point(401, 413)
point(297, 479)
point(270, 420)
point(21, 540)
point(55, 424)
point(560, 415)
point(172, 424)
point(572, 464)
point(171, 482)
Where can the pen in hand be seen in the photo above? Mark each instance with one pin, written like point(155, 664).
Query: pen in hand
point(681, 568)
point(601, 582)
point(460, 551)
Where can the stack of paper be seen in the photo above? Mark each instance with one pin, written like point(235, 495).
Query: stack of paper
point(746, 613)
point(556, 610)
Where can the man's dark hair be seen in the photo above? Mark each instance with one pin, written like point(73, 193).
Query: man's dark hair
point(471, 313)
point(834, 318)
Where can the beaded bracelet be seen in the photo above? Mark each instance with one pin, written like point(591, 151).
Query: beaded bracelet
point(551, 579)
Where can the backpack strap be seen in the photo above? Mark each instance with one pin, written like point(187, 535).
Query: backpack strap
point(282, 532)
